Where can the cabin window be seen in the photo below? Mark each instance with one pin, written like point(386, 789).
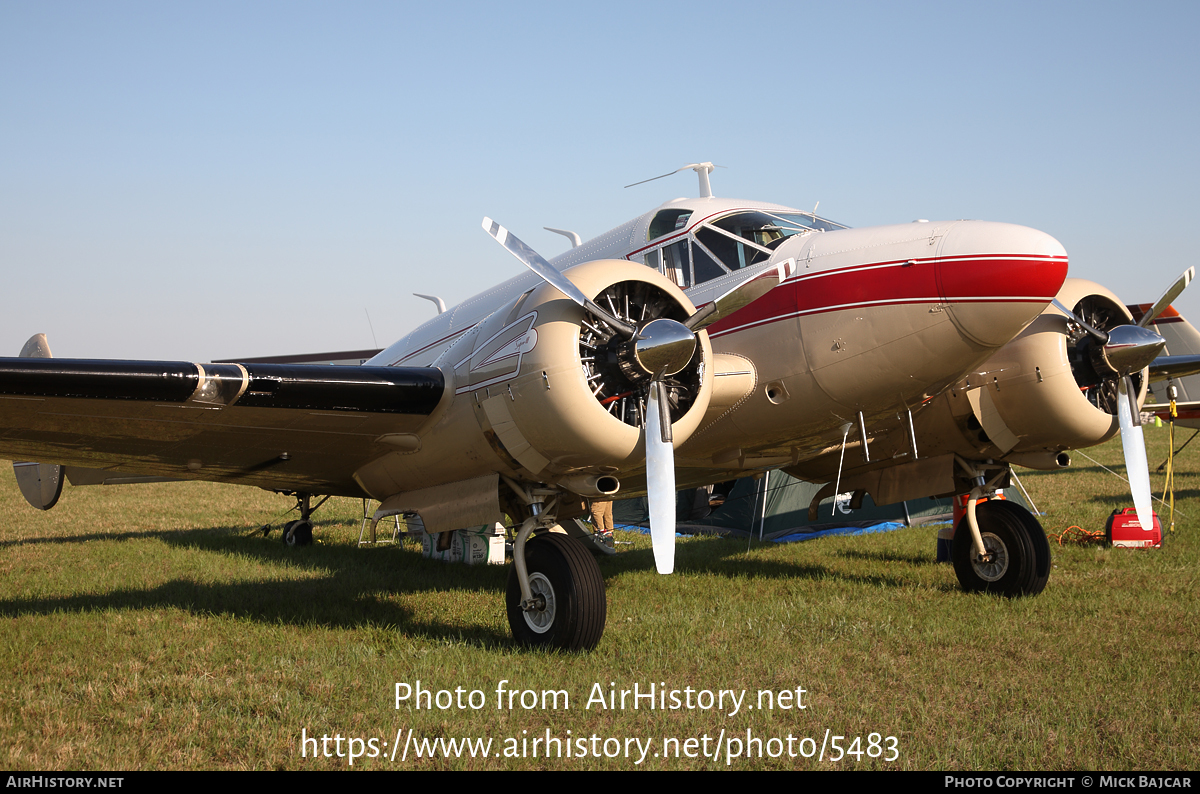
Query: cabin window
point(677, 265)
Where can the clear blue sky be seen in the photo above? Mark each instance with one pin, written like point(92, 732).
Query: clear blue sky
point(202, 180)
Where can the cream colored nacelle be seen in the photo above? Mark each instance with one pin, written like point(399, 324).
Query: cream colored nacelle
point(1040, 394)
point(541, 395)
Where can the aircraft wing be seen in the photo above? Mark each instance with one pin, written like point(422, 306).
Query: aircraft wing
point(1174, 367)
point(278, 426)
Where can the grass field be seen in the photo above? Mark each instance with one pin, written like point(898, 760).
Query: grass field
point(150, 627)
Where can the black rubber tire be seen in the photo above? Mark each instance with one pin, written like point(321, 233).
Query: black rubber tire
point(1037, 542)
point(569, 572)
point(298, 533)
point(1017, 536)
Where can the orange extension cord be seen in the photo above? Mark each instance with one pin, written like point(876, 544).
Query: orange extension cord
point(1081, 536)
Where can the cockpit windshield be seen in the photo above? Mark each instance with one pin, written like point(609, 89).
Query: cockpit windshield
point(729, 243)
point(747, 238)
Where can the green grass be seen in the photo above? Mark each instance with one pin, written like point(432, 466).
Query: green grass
point(151, 627)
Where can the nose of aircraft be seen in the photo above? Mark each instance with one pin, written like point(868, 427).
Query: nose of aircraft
point(997, 277)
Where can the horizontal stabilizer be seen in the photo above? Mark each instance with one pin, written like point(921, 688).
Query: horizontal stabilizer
point(340, 357)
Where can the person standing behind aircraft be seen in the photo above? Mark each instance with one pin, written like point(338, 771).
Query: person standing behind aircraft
point(602, 520)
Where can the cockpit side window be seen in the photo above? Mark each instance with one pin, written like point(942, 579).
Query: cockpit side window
point(706, 267)
point(677, 265)
point(666, 222)
point(673, 261)
point(683, 263)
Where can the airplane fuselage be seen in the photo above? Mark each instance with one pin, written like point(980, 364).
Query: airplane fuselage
point(703, 340)
point(871, 323)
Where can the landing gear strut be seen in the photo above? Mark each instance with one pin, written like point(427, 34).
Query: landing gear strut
point(300, 532)
point(1016, 561)
point(999, 547)
point(555, 595)
point(566, 608)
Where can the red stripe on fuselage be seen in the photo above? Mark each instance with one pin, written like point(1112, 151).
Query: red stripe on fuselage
point(989, 278)
point(1001, 276)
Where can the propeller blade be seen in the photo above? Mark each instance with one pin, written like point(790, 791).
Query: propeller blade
point(534, 261)
point(1136, 467)
point(1171, 294)
point(1075, 318)
point(660, 481)
point(741, 295)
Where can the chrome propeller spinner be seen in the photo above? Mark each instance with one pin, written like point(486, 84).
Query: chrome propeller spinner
point(662, 347)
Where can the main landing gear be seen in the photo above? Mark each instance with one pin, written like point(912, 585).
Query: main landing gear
point(300, 532)
point(999, 547)
point(555, 595)
point(1016, 558)
point(567, 608)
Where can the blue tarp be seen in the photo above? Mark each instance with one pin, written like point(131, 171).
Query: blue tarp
point(783, 513)
point(797, 537)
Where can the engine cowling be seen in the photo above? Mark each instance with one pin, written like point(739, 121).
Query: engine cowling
point(558, 395)
point(1049, 389)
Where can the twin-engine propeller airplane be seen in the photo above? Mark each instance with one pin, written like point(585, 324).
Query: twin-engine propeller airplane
point(703, 340)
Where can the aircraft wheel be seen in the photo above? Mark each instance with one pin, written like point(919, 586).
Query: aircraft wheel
point(1038, 543)
point(1020, 562)
point(298, 533)
point(564, 578)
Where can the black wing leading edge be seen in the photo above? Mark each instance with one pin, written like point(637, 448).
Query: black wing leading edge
point(283, 426)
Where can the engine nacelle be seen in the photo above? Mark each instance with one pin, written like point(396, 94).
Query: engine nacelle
point(553, 388)
point(1043, 392)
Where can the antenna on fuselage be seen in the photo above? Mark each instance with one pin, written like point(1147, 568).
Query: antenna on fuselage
point(570, 235)
point(702, 170)
point(441, 304)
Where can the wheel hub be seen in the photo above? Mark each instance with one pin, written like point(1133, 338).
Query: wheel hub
point(994, 565)
point(539, 612)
